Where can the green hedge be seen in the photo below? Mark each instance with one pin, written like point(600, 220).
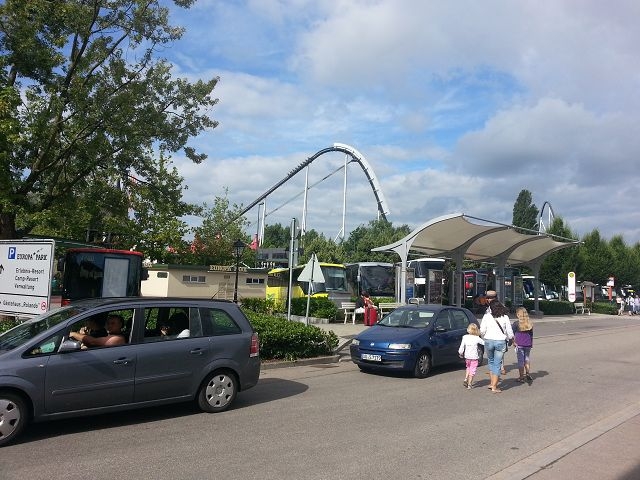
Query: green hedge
point(604, 307)
point(562, 307)
point(7, 323)
point(551, 307)
point(282, 339)
point(318, 307)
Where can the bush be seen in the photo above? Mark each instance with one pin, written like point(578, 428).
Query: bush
point(260, 305)
point(604, 307)
point(319, 307)
point(551, 308)
point(281, 339)
point(7, 323)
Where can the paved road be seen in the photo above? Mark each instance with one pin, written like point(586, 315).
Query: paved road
point(333, 422)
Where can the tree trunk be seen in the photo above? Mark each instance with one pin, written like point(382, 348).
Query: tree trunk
point(7, 226)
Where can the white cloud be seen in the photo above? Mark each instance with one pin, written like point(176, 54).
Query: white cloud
point(456, 105)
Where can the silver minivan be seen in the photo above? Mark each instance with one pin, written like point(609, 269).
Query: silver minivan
point(107, 355)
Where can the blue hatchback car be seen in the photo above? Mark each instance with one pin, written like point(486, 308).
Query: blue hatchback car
point(413, 338)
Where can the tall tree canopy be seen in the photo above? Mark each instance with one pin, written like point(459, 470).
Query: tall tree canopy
point(525, 212)
point(221, 227)
point(85, 103)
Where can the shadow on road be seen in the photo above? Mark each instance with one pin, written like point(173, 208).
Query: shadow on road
point(267, 390)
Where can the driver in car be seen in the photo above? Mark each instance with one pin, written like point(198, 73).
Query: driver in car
point(114, 335)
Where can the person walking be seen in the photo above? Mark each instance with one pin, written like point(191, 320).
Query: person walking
point(620, 302)
point(523, 341)
point(496, 331)
point(469, 351)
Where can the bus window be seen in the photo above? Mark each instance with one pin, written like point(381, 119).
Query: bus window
point(98, 272)
point(334, 286)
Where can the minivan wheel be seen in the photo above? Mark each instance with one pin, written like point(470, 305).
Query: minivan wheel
point(423, 365)
point(13, 417)
point(218, 392)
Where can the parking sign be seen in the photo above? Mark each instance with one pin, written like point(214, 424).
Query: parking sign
point(25, 276)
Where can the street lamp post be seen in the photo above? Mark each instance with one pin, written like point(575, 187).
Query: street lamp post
point(238, 247)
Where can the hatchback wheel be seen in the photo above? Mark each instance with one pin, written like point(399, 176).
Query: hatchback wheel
point(423, 365)
point(13, 416)
point(218, 392)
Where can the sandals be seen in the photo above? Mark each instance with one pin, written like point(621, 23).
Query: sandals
point(520, 380)
point(496, 390)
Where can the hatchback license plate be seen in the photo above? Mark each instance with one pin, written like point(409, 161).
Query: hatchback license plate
point(373, 358)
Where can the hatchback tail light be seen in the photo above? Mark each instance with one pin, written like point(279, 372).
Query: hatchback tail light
point(254, 349)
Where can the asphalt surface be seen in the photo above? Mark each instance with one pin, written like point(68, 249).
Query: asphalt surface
point(605, 450)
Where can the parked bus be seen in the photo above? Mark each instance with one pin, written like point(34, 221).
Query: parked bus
point(428, 275)
point(334, 286)
point(101, 272)
point(375, 278)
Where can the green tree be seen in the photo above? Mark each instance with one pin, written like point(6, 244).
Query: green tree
point(376, 234)
point(622, 265)
point(557, 265)
point(325, 248)
point(157, 210)
point(525, 213)
point(595, 259)
point(276, 236)
point(84, 102)
point(221, 227)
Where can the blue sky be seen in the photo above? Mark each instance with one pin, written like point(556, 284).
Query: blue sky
point(457, 106)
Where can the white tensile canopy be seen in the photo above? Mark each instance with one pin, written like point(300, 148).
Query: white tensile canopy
point(458, 236)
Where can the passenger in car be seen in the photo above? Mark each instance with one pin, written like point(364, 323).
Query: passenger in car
point(177, 326)
point(180, 323)
point(114, 336)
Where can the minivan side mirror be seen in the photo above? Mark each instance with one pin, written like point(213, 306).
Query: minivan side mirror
point(70, 346)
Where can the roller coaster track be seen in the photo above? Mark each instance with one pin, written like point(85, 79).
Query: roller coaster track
point(541, 225)
point(337, 147)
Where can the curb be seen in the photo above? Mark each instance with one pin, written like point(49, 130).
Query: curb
point(300, 362)
point(540, 460)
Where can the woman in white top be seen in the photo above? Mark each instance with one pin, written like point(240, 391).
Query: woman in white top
point(496, 330)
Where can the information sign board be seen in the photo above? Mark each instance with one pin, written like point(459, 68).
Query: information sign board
point(25, 276)
point(571, 286)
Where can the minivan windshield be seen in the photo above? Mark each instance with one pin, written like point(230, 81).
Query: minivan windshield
point(24, 332)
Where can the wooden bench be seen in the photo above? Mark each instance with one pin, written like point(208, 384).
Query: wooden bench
point(349, 308)
point(386, 307)
point(580, 308)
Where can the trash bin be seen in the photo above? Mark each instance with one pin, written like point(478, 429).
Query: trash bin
point(370, 316)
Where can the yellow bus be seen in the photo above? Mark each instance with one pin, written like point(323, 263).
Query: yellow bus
point(334, 286)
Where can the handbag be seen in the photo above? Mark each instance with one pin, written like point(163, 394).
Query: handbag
point(508, 341)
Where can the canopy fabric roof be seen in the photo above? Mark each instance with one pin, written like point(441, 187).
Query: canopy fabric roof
point(481, 240)
point(456, 236)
